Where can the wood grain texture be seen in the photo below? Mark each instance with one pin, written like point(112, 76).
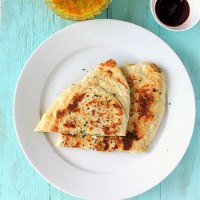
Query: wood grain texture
point(24, 25)
point(184, 182)
point(27, 23)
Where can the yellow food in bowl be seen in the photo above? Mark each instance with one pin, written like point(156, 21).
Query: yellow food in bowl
point(77, 9)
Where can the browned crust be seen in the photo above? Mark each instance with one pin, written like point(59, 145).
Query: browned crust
point(109, 63)
point(76, 99)
point(72, 107)
point(101, 143)
point(91, 106)
point(145, 101)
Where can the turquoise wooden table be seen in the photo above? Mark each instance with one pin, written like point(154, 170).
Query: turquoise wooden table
point(27, 23)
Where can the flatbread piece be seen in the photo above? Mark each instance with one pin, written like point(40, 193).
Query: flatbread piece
point(147, 90)
point(97, 105)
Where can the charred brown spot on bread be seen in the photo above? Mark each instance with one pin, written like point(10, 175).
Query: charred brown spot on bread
point(106, 144)
point(109, 72)
point(118, 141)
point(68, 124)
point(77, 145)
point(159, 70)
point(115, 147)
point(155, 68)
point(115, 125)
point(60, 113)
point(91, 128)
point(92, 122)
point(71, 107)
point(76, 99)
point(94, 101)
point(102, 144)
point(107, 131)
point(128, 140)
point(124, 84)
point(109, 63)
point(99, 145)
point(54, 128)
point(116, 105)
point(136, 130)
point(145, 100)
point(154, 90)
point(93, 112)
point(130, 81)
point(119, 108)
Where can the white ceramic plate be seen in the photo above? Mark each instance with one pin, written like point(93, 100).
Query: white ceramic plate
point(59, 62)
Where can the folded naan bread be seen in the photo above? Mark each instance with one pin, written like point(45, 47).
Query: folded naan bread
point(147, 91)
point(97, 105)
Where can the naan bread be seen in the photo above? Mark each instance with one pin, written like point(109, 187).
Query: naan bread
point(147, 91)
point(97, 105)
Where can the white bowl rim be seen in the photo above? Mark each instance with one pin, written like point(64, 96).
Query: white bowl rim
point(171, 28)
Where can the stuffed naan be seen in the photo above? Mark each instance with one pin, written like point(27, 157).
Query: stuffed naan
point(147, 91)
point(97, 105)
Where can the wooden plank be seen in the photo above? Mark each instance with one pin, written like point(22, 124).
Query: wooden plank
point(55, 194)
point(184, 182)
point(24, 25)
point(136, 12)
point(187, 173)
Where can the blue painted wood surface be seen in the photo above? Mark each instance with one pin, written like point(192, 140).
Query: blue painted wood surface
point(27, 23)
